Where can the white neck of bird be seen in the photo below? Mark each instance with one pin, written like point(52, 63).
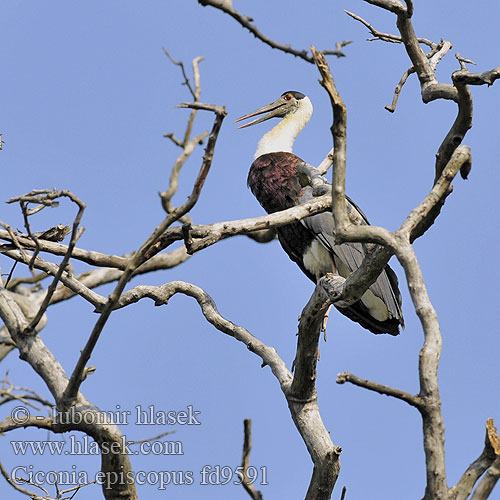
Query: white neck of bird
point(283, 135)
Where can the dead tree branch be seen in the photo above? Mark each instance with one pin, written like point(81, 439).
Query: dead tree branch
point(33, 350)
point(488, 482)
point(325, 165)
point(385, 390)
point(187, 83)
point(435, 55)
point(144, 253)
point(431, 89)
point(47, 198)
point(386, 37)
point(188, 145)
point(204, 236)
point(245, 21)
point(166, 196)
point(246, 482)
point(299, 392)
point(345, 230)
point(425, 214)
point(10, 392)
point(300, 389)
point(13, 483)
point(338, 49)
point(488, 462)
point(428, 400)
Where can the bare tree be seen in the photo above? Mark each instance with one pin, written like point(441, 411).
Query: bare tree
point(25, 301)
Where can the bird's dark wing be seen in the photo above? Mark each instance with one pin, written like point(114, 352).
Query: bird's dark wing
point(348, 257)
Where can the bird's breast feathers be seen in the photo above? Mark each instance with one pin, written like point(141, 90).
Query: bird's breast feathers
point(275, 180)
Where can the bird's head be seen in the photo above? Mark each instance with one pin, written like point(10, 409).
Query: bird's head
point(289, 103)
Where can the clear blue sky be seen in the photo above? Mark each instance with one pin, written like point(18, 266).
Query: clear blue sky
point(86, 94)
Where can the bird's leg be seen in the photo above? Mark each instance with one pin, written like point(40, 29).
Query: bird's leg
point(327, 314)
point(325, 321)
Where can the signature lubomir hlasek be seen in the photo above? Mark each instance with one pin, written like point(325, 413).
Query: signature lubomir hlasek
point(278, 181)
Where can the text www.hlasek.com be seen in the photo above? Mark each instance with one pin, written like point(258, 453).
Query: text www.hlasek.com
point(87, 446)
point(208, 475)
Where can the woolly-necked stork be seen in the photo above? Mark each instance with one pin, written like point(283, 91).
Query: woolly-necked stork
point(278, 181)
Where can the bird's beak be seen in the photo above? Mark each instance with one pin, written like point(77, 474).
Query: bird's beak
point(277, 108)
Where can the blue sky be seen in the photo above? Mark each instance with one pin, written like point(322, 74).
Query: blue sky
point(87, 94)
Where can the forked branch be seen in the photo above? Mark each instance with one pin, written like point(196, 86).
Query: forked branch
point(226, 6)
point(144, 253)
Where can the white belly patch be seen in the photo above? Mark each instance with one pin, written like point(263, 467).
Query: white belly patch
point(318, 261)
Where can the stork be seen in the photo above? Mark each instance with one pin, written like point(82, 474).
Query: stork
point(279, 181)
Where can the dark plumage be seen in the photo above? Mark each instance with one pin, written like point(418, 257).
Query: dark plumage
point(277, 184)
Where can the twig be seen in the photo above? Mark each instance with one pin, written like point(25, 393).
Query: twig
point(386, 37)
point(171, 136)
point(7, 394)
point(435, 55)
point(338, 49)
point(197, 95)
point(154, 438)
point(48, 198)
point(254, 493)
point(246, 22)
point(68, 281)
point(89, 256)
point(218, 110)
point(463, 61)
point(166, 196)
point(23, 206)
point(325, 165)
point(344, 377)
point(31, 280)
point(6, 476)
point(186, 79)
point(13, 237)
point(76, 489)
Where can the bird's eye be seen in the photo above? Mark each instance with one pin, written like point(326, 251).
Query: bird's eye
point(287, 97)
